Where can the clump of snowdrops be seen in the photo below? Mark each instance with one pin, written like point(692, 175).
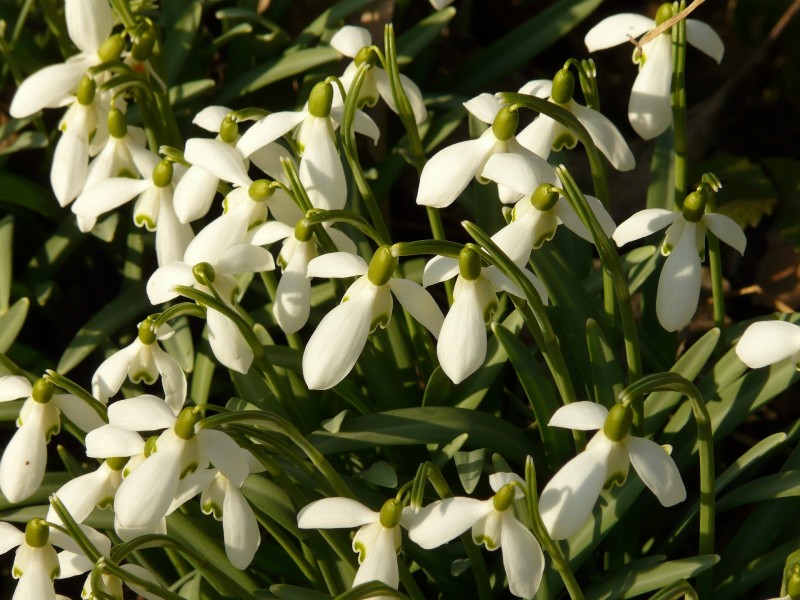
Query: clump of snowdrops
point(282, 400)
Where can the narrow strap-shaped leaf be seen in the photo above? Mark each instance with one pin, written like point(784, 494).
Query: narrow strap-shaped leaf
point(178, 44)
point(11, 323)
point(606, 374)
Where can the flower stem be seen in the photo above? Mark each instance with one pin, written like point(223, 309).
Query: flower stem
point(678, 99)
point(715, 266)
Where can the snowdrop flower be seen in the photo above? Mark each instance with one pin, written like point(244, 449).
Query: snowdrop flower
point(649, 109)
point(493, 524)
point(143, 360)
point(89, 24)
point(146, 495)
point(546, 134)
point(153, 209)
point(542, 208)
point(377, 541)
point(292, 304)
point(684, 244)
point(25, 457)
point(461, 347)
point(36, 561)
point(116, 157)
point(223, 498)
point(342, 334)
point(355, 42)
point(214, 257)
point(567, 500)
point(211, 163)
point(320, 171)
point(451, 169)
point(768, 342)
point(97, 489)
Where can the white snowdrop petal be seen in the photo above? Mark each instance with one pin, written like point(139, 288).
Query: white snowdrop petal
point(10, 537)
point(462, 341)
point(380, 563)
point(78, 411)
point(108, 195)
point(642, 224)
point(109, 442)
point(194, 194)
point(484, 106)
point(538, 136)
point(172, 236)
point(606, 136)
point(269, 129)
point(321, 170)
point(163, 279)
point(244, 258)
point(516, 238)
point(438, 269)
point(649, 109)
point(224, 454)
point(219, 159)
point(727, 230)
point(172, 379)
point(679, 283)
point(337, 264)
point(541, 88)
point(522, 173)
point(419, 303)
point(335, 513)
point(616, 30)
point(523, 559)
point(13, 387)
point(657, 470)
point(582, 415)
point(240, 529)
point(705, 39)
point(768, 342)
point(49, 87)
point(89, 23)
point(444, 520)
point(70, 165)
point(350, 39)
point(141, 413)
point(23, 464)
point(210, 118)
point(230, 348)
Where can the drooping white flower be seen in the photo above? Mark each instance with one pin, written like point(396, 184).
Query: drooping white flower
point(451, 169)
point(25, 457)
point(354, 42)
point(684, 244)
point(541, 210)
point(142, 360)
point(80, 496)
point(320, 171)
point(342, 334)
point(546, 134)
point(461, 346)
point(493, 524)
point(292, 304)
point(567, 499)
point(36, 561)
point(649, 108)
point(377, 541)
point(768, 342)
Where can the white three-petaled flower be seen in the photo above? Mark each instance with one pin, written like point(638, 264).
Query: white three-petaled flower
point(649, 108)
point(495, 527)
point(567, 500)
point(684, 244)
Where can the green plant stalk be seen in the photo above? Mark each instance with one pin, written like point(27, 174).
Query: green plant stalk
point(318, 216)
point(283, 426)
point(680, 590)
point(715, 266)
point(370, 590)
point(304, 202)
point(178, 310)
point(424, 247)
point(283, 540)
point(73, 388)
point(677, 383)
point(540, 531)
point(72, 529)
point(348, 139)
point(611, 264)
point(678, 99)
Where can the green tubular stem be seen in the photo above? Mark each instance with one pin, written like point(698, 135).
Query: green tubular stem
point(302, 199)
point(715, 267)
point(349, 217)
point(678, 100)
point(73, 388)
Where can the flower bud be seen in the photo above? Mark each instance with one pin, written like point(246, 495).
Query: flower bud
point(320, 100)
point(505, 124)
point(391, 511)
point(162, 174)
point(665, 12)
point(544, 197)
point(228, 130)
point(146, 334)
point(618, 422)
point(469, 264)
point(117, 463)
point(504, 499)
point(37, 533)
point(382, 266)
point(303, 231)
point(563, 87)
point(694, 206)
point(150, 446)
point(117, 126)
point(142, 48)
point(42, 391)
point(111, 48)
point(203, 273)
point(86, 90)
point(365, 55)
point(187, 419)
point(260, 190)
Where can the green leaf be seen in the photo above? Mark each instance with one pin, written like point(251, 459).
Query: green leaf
point(421, 35)
point(6, 241)
point(632, 263)
point(178, 45)
point(271, 499)
point(178, 94)
point(606, 375)
point(470, 468)
point(748, 194)
point(292, 592)
point(9, 411)
point(330, 19)
point(27, 140)
point(124, 309)
point(11, 323)
point(640, 580)
point(18, 191)
point(769, 487)
point(181, 346)
point(517, 48)
point(661, 189)
point(380, 473)
point(50, 484)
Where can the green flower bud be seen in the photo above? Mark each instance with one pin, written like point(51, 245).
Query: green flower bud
point(260, 190)
point(203, 272)
point(618, 422)
point(86, 90)
point(320, 100)
point(382, 266)
point(36, 533)
point(187, 419)
point(146, 334)
point(142, 48)
point(504, 499)
point(162, 174)
point(694, 206)
point(150, 445)
point(111, 48)
point(544, 197)
point(505, 124)
point(469, 264)
point(391, 511)
point(365, 55)
point(563, 87)
point(228, 130)
point(42, 391)
point(793, 584)
point(117, 463)
point(665, 12)
point(303, 231)
point(117, 126)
